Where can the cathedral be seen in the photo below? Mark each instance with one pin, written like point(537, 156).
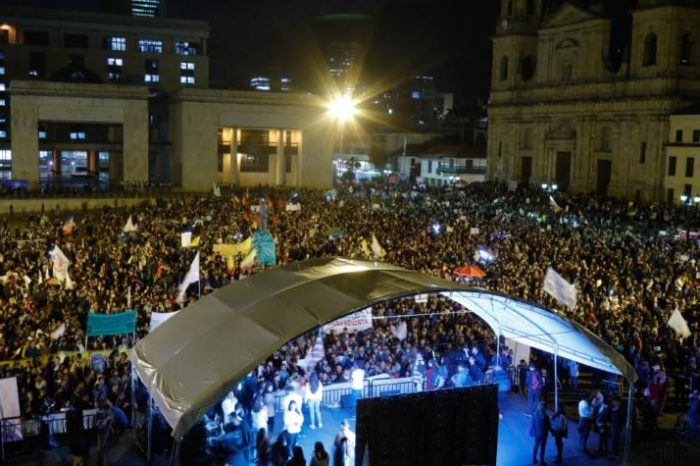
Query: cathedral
point(582, 97)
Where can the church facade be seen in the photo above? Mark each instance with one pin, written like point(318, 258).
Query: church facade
point(570, 107)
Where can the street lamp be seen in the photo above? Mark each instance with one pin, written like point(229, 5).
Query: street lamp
point(342, 109)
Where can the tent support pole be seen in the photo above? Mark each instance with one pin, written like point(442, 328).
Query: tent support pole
point(628, 424)
point(556, 380)
point(149, 429)
point(175, 453)
point(498, 348)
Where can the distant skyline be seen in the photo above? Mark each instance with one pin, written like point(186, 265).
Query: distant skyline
point(449, 39)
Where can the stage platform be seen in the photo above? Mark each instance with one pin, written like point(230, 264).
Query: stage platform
point(514, 445)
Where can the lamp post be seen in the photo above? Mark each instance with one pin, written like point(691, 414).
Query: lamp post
point(549, 188)
point(342, 109)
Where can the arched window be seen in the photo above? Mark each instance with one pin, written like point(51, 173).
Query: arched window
point(530, 7)
point(650, 50)
point(686, 49)
point(503, 73)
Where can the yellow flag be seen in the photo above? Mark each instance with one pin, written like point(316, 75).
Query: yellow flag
point(234, 250)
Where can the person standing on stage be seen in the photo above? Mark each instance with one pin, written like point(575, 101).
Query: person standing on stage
point(313, 394)
point(585, 415)
point(540, 430)
point(560, 430)
point(344, 443)
point(293, 420)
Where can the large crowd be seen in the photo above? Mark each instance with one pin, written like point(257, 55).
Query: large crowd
point(629, 266)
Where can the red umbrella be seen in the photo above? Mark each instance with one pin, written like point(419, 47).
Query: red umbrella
point(469, 271)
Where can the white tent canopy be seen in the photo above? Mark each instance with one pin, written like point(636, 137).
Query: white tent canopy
point(538, 328)
point(193, 359)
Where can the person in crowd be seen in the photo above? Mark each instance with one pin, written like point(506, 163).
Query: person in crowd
point(313, 395)
point(540, 429)
point(262, 448)
point(269, 401)
point(560, 430)
point(522, 377)
point(693, 408)
point(259, 415)
point(573, 370)
point(585, 419)
point(602, 423)
point(344, 443)
point(298, 458)
point(534, 386)
point(293, 421)
point(617, 425)
point(357, 382)
point(320, 456)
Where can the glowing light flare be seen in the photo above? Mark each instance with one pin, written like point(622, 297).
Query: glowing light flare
point(342, 108)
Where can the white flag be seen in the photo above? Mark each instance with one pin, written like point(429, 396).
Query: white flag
point(60, 264)
point(58, 333)
point(69, 283)
point(473, 231)
point(27, 281)
point(129, 227)
point(678, 323)
point(559, 289)
point(191, 277)
point(158, 318)
point(216, 191)
point(186, 239)
point(377, 248)
point(249, 260)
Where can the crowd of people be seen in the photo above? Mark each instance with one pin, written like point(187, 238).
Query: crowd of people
point(629, 266)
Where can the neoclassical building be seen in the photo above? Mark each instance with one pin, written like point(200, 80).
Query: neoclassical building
point(584, 101)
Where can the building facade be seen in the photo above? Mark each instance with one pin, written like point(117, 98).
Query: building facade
point(682, 177)
point(568, 108)
point(90, 98)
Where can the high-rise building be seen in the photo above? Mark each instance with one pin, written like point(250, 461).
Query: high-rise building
point(148, 8)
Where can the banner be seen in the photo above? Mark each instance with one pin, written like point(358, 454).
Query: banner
point(233, 250)
point(292, 207)
point(158, 318)
point(559, 289)
point(111, 324)
point(358, 321)
point(60, 264)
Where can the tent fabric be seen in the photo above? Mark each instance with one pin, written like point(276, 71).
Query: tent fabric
point(191, 361)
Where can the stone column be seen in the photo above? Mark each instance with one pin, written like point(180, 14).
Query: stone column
point(56, 159)
point(279, 160)
point(25, 141)
point(135, 141)
point(235, 164)
point(92, 162)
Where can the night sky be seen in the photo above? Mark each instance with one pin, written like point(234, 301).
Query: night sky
point(449, 39)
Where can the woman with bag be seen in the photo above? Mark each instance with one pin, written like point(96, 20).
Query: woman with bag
point(560, 430)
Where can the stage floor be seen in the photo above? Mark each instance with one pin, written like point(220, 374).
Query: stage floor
point(514, 445)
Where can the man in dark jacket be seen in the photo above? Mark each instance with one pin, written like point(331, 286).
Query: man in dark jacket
point(540, 430)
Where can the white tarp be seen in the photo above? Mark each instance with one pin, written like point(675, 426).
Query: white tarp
point(157, 318)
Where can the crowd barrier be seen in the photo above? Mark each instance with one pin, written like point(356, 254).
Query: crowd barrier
point(18, 429)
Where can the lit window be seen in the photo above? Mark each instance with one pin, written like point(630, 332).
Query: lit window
point(117, 44)
point(186, 48)
point(150, 46)
point(186, 65)
point(151, 78)
point(114, 68)
point(3, 134)
point(77, 135)
point(2, 87)
point(2, 70)
point(186, 79)
point(42, 134)
point(115, 62)
point(5, 155)
point(3, 102)
point(186, 73)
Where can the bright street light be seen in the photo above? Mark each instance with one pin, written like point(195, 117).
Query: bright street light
point(684, 198)
point(342, 108)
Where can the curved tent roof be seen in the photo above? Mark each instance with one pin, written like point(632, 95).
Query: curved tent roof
point(191, 361)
